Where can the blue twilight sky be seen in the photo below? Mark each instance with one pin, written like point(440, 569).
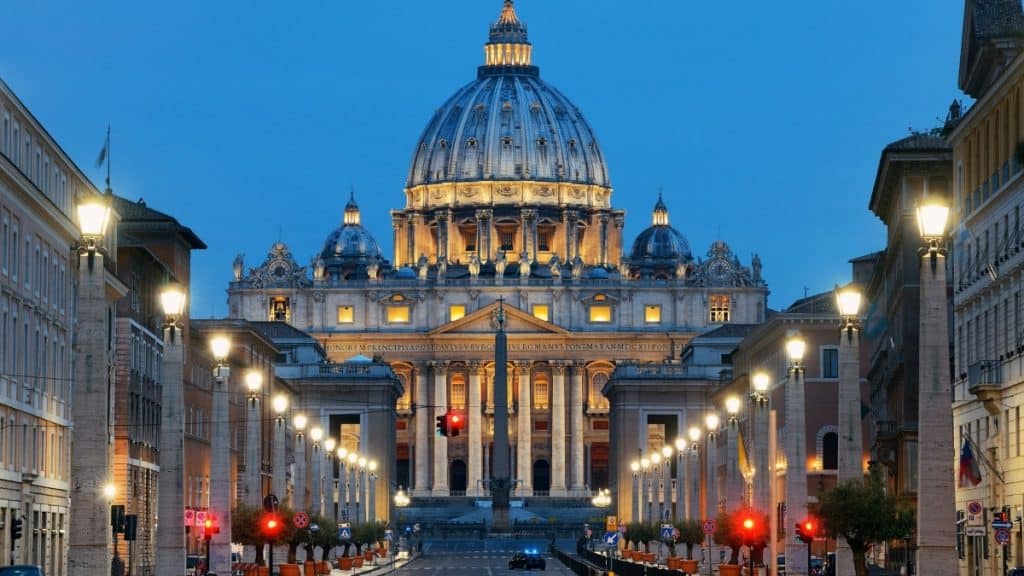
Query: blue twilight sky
point(249, 121)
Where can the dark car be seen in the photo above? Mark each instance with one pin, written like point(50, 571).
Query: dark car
point(21, 570)
point(526, 560)
point(1015, 572)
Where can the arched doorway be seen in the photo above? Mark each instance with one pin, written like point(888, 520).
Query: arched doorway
point(457, 477)
point(541, 476)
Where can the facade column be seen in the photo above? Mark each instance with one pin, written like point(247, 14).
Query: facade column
point(667, 489)
point(527, 220)
point(620, 222)
point(442, 238)
point(316, 480)
point(682, 506)
point(396, 226)
point(343, 489)
point(711, 485)
point(220, 473)
point(558, 429)
point(524, 433)
point(602, 219)
point(483, 234)
point(576, 425)
point(254, 451)
point(440, 443)
point(280, 478)
point(734, 481)
point(424, 417)
point(410, 239)
point(299, 489)
point(764, 470)
point(696, 507)
point(796, 468)
point(475, 445)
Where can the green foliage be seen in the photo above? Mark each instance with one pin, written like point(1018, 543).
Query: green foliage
point(730, 531)
point(861, 512)
point(326, 538)
point(245, 528)
point(691, 533)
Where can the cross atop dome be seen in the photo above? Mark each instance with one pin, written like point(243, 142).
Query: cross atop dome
point(507, 44)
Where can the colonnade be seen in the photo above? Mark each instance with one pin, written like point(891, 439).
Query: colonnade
point(432, 459)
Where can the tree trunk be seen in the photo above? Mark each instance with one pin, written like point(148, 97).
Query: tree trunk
point(259, 554)
point(292, 549)
point(689, 550)
point(860, 567)
point(734, 555)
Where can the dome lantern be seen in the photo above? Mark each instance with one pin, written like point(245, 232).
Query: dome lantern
point(507, 44)
point(660, 213)
point(351, 217)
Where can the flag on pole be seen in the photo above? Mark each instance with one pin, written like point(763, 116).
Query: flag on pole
point(970, 472)
point(103, 151)
point(742, 460)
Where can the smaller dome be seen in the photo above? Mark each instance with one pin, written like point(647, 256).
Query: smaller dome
point(660, 243)
point(598, 273)
point(351, 241)
point(405, 273)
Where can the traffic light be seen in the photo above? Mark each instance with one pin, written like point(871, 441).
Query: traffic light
point(442, 425)
point(455, 423)
point(270, 503)
point(805, 531)
point(270, 526)
point(210, 526)
point(15, 529)
point(748, 524)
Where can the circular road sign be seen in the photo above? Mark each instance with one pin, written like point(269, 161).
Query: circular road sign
point(1002, 535)
point(709, 526)
point(974, 507)
point(301, 520)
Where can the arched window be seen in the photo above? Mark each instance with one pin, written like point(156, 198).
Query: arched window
point(405, 401)
point(541, 391)
point(830, 451)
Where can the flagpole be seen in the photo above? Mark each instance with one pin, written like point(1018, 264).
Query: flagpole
point(108, 156)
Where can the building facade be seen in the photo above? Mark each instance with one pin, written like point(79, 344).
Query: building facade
point(508, 199)
point(38, 186)
point(988, 196)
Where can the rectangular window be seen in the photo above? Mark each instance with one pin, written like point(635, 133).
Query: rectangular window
point(6, 239)
point(719, 308)
point(456, 311)
point(469, 238)
point(346, 315)
point(12, 250)
point(830, 363)
point(652, 314)
point(600, 313)
point(398, 314)
point(541, 311)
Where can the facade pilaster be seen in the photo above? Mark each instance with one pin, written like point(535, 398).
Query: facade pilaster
point(558, 429)
point(424, 417)
point(524, 436)
point(397, 222)
point(475, 447)
point(602, 219)
point(483, 234)
point(440, 487)
point(576, 424)
point(410, 239)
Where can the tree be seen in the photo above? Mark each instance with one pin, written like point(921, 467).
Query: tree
point(743, 527)
point(691, 533)
point(245, 528)
point(861, 512)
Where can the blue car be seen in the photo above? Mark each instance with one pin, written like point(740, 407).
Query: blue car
point(21, 570)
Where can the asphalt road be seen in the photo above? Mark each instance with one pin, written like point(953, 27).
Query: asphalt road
point(477, 558)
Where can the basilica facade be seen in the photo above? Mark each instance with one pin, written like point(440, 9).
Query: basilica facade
point(508, 201)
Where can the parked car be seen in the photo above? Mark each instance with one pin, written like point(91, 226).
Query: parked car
point(526, 560)
point(1019, 571)
point(21, 570)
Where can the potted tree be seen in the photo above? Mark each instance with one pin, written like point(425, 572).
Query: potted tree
point(631, 536)
point(691, 533)
point(743, 527)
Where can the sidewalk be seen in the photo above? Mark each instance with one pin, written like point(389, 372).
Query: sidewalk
point(376, 569)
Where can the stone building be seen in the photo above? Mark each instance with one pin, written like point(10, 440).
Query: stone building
point(508, 197)
point(39, 184)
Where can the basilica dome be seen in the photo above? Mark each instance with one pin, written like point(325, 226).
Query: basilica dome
point(508, 124)
point(350, 247)
point(660, 244)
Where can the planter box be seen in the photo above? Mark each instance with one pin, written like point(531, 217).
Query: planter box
point(345, 563)
point(688, 566)
point(729, 570)
point(357, 562)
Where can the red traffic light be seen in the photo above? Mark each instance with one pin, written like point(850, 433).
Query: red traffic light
point(748, 524)
point(809, 527)
point(455, 423)
point(270, 525)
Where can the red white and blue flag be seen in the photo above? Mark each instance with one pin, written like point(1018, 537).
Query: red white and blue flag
point(970, 471)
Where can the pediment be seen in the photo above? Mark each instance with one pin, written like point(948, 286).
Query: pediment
point(483, 322)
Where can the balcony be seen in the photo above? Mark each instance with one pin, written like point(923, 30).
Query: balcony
point(985, 381)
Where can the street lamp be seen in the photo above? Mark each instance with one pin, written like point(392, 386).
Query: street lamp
point(280, 406)
point(796, 450)
point(220, 457)
point(353, 484)
point(254, 440)
point(666, 481)
point(316, 477)
point(682, 477)
point(936, 510)
point(655, 502)
point(634, 466)
point(329, 446)
point(170, 531)
point(401, 498)
point(848, 302)
point(92, 400)
point(360, 489)
point(299, 422)
point(732, 408)
point(371, 492)
point(254, 383)
point(759, 392)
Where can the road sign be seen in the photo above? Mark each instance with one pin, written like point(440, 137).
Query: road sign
point(200, 517)
point(314, 528)
point(974, 513)
point(1000, 525)
point(611, 524)
point(709, 526)
point(190, 517)
point(416, 527)
point(666, 531)
point(587, 532)
point(389, 535)
point(974, 531)
point(1002, 536)
point(344, 532)
point(300, 519)
point(611, 539)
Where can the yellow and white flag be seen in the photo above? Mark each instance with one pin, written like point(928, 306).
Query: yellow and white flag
point(744, 463)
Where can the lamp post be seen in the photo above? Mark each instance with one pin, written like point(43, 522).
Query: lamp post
point(645, 506)
point(360, 486)
point(329, 446)
point(353, 483)
point(936, 510)
point(316, 479)
point(634, 466)
point(760, 399)
point(342, 454)
point(280, 405)
point(698, 507)
point(850, 435)
point(371, 491)
point(299, 422)
point(654, 512)
point(734, 486)
point(170, 533)
point(92, 397)
point(682, 502)
point(796, 452)
point(220, 458)
point(712, 422)
point(254, 440)
point(666, 481)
